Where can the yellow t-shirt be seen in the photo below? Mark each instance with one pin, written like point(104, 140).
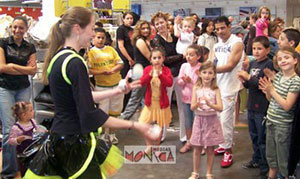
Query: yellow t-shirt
point(105, 59)
point(298, 48)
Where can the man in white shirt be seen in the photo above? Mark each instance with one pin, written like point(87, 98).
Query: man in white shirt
point(228, 58)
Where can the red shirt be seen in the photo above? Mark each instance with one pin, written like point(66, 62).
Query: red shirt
point(166, 80)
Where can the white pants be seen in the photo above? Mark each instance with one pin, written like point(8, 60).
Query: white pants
point(227, 120)
point(113, 105)
point(176, 87)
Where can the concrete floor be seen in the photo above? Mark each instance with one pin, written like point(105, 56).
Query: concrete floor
point(184, 162)
point(242, 151)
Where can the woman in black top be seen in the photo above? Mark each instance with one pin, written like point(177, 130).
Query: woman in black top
point(141, 48)
point(124, 46)
point(72, 150)
point(17, 61)
point(173, 60)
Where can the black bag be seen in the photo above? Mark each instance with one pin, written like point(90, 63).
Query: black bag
point(38, 141)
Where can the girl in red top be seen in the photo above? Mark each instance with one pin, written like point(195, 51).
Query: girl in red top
point(156, 78)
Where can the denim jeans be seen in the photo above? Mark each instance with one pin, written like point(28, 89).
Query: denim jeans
point(7, 99)
point(257, 131)
point(188, 115)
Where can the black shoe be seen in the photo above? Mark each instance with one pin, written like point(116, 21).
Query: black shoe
point(171, 124)
point(263, 175)
point(250, 164)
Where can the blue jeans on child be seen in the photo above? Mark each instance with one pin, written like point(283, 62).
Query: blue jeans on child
point(188, 115)
point(7, 99)
point(257, 131)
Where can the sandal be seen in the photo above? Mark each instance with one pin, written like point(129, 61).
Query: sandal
point(194, 176)
point(209, 176)
point(185, 148)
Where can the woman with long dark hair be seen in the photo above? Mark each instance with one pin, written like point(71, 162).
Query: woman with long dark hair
point(141, 49)
point(208, 38)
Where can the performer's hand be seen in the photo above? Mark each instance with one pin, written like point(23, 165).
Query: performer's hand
point(127, 87)
point(135, 84)
point(146, 131)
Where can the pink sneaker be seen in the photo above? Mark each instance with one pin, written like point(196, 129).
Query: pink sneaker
point(219, 151)
point(227, 160)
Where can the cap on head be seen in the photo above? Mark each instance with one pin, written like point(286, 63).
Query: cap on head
point(238, 30)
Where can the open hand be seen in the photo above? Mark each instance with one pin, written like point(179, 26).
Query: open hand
point(243, 75)
point(147, 131)
point(269, 73)
point(177, 19)
point(126, 87)
point(186, 79)
point(265, 85)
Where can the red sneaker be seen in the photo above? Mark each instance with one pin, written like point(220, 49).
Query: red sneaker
point(227, 160)
point(219, 151)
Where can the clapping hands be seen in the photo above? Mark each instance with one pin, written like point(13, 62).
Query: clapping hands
point(243, 76)
point(186, 79)
point(265, 85)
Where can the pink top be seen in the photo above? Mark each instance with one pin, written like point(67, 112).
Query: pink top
point(261, 25)
point(187, 88)
point(211, 96)
point(16, 131)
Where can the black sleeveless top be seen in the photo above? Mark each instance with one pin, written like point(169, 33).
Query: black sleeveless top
point(139, 57)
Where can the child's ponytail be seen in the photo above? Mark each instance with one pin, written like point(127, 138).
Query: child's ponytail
point(18, 108)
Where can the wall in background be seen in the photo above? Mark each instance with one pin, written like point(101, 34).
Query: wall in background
point(229, 7)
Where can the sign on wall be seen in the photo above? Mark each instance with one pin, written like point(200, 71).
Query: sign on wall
point(102, 4)
point(182, 12)
point(247, 11)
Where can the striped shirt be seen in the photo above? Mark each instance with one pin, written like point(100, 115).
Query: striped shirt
point(275, 112)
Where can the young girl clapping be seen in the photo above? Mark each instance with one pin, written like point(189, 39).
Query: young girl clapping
point(156, 78)
point(207, 131)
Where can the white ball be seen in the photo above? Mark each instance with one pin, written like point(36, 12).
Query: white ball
point(122, 84)
point(137, 71)
point(155, 131)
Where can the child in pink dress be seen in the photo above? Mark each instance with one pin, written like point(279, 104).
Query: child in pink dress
point(262, 24)
point(207, 131)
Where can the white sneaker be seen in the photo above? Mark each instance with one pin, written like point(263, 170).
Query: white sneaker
point(164, 134)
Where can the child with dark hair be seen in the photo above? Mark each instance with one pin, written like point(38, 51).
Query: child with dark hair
point(289, 37)
point(208, 38)
point(105, 65)
point(257, 102)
